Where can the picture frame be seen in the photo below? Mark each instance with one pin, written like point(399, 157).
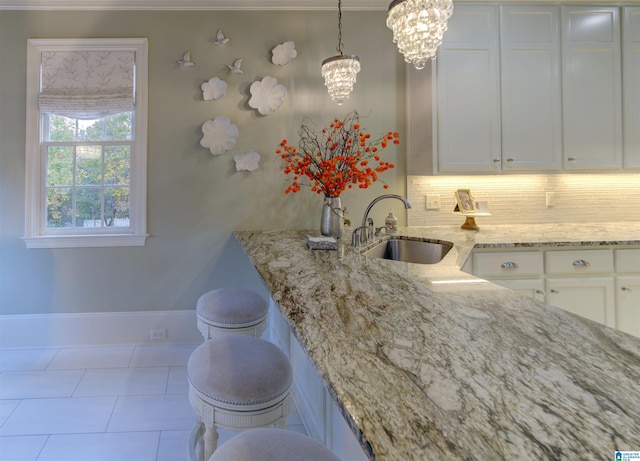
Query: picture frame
point(464, 201)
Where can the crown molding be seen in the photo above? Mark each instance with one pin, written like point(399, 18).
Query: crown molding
point(191, 5)
point(287, 5)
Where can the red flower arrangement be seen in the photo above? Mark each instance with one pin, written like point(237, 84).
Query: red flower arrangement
point(336, 159)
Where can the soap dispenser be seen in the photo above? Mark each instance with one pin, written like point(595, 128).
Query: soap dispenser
point(391, 223)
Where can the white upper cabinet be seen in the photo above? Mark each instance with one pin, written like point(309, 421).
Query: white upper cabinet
point(468, 92)
point(591, 87)
point(631, 82)
point(530, 87)
point(530, 84)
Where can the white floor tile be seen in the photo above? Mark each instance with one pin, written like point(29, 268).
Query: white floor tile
point(38, 384)
point(59, 416)
point(173, 445)
point(6, 408)
point(152, 413)
point(120, 403)
point(130, 446)
point(21, 448)
point(162, 356)
point(178, 383)
point(26, 359)
point(92, 357)
point(123, 381)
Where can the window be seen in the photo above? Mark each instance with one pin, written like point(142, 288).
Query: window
point(86, 143)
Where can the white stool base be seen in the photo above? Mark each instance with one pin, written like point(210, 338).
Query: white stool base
point(204, 435)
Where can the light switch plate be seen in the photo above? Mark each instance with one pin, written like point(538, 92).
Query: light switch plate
point(433, 202)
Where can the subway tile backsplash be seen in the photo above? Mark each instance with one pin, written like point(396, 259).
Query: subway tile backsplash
point(522, 199)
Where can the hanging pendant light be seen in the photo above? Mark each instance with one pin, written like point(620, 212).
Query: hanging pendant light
point(418, 27)
point(340, 71)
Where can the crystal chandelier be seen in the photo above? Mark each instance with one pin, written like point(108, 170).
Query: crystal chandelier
point(340, 71)
point(418, 27)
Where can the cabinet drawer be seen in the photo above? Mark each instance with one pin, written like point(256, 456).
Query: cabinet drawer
point(508, 264)
point(579, 262)
point(628, 260)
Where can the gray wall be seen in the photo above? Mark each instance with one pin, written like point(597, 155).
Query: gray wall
point(195, 200)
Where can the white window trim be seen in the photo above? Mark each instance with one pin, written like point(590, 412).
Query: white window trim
point(34, 194)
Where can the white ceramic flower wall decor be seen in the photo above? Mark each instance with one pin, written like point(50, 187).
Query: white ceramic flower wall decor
point(284, 53)
point(266, 95)
point(247, 160)
point(219, 135)
point(213, 89)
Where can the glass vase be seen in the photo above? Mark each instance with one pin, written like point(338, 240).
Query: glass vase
point(331, 222)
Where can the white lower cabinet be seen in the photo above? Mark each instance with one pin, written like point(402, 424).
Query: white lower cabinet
point(533, 288)
point(601, 284)
point(628, 304)
point(589, 297)
point(320, 415)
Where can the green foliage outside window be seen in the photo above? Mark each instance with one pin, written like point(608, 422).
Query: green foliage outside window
point(88, 171)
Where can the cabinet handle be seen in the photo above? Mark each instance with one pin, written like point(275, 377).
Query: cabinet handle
point(571, 159)
point(540, 292)
point(581, 263)
point(555, 292)
point(627, 289)
point(510, 159)
point(509, 265)
point(496, 160)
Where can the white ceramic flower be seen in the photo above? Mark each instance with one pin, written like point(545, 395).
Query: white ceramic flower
point(213, 89)
point(247, 160)
point(219, 135)
point(284, 53)
point(266, 95)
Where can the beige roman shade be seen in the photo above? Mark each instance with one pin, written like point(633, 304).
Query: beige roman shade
point(87, 84)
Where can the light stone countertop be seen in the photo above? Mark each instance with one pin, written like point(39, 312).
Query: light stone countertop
point(429, 363)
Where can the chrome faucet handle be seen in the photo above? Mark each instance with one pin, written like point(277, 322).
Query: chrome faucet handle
point(357, 236)
point(379, 231)
point(369, 228)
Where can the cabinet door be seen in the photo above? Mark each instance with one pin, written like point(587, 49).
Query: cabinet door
point(590, 297)
point(468, 92)
point(591, 87)
point(631, 82)
point(628, 304)
point(530, 81)
point(533, 288)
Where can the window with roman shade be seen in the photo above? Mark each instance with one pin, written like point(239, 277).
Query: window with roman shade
point(86, 142)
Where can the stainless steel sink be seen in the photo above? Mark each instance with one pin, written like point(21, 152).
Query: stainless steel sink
point(410, 250)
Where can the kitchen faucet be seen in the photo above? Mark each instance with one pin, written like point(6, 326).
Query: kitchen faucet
point(363, 233)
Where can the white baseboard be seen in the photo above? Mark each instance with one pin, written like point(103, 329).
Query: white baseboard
point(100, 328)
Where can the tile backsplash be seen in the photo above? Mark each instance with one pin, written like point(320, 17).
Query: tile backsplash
point(515, 199)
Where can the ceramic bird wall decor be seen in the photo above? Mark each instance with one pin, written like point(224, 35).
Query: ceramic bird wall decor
point(220, 38)
point(235, 67)
point(186, 60)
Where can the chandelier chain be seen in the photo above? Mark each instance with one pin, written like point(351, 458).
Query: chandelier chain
point(339, 48)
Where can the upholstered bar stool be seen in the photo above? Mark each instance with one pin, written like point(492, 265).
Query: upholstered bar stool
point(236, 382)
point(272, 445)
point(231, 310)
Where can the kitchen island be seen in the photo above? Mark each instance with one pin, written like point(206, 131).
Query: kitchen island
point(427, 362)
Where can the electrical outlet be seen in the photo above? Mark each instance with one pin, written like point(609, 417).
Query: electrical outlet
point(433, 202)
point(156, 335)
point(550, 199)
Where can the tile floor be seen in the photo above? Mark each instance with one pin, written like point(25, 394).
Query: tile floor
point(119, 403)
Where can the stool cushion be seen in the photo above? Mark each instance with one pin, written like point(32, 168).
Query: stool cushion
point(272, 445)
point(239, 370)
point(232, 306)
